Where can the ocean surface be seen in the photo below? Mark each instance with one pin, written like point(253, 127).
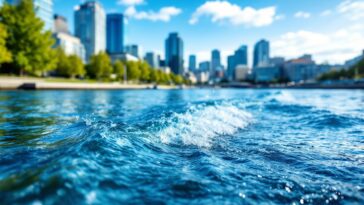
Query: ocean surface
point(182, 147)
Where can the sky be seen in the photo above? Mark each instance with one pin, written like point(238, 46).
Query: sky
point(331, 30)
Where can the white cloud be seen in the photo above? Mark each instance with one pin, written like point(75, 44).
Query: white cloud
point(354, 10)
point(130, 2)
point(224, 11)
point(326, 13)
point(335, 47)
point(302, 14)
point(164, 14)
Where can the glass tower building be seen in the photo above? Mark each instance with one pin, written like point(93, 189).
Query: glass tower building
point(192, 64)
point(115, 33)
point(90, 27)
point(241, 56)
point(174, 53)
point(261, 54)
point(215, 62)
point(43, 9)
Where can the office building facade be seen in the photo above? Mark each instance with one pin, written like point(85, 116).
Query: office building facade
point(241, 56)
point(90, 27)
point(192, 63)
point(215, 62)
point(70, 44)
point(261, 54)
point(174, 53)
point(115, 33)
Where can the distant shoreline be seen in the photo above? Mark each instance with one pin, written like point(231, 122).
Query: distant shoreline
point(28, 83)
point(20, 83)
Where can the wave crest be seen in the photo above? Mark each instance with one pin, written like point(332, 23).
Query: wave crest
point(201, 124)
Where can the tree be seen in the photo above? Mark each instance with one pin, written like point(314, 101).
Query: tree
point(100, 66)
point(29, 44)
point(69, 66)
point(76, 66)
point(5, 55)
point(145, 71)
point(154, 76)
point(62, 64)
point(133, 70)
point(119, 69)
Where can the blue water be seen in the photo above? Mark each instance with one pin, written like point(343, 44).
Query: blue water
point(182, 147)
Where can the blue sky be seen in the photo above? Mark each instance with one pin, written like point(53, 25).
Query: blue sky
point(331, 30)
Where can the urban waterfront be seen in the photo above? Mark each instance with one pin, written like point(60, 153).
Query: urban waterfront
point(197, 146)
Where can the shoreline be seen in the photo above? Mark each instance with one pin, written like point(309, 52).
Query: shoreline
point(29, 83)
point(19, 83)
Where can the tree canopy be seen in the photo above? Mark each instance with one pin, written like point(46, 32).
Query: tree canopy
point(100, 66)
point(27, 41)
point(5, 55)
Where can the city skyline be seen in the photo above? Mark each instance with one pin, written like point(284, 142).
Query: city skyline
point(293, 21)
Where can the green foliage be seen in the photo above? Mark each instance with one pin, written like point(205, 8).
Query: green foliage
point(154, 76)
point(5, 55)
point(133, 70)
point(100, 66)
point(119, 69)
point(357, 71)
point(77, 67)
point(145, 71)
point(69, 66)
point(29, 44)
point(177, 79)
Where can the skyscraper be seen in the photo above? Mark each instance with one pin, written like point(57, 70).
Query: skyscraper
point(261, 54)
point(174, 53)
point(241, 56)
point(231, 67)
point(43, 9)
point(90, 27)
point(192, 63)
point(152, 59)
point(215, 62)
point(115, 33)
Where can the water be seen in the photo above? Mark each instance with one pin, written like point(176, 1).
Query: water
point(182, 147)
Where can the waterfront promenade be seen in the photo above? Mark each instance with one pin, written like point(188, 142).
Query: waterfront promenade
point(13, 83)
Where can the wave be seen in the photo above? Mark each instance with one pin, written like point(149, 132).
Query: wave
point(201, 124)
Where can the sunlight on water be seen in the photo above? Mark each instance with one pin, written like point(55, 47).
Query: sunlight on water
point(182, 147)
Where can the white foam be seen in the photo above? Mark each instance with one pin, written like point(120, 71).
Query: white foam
point(200, 125)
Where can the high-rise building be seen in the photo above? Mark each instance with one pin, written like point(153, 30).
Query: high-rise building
point(43, 9)
point(174, 53)
point(90, 27)
point(231, 67)
point(132, 50)
point(205, 66)
point(115, 33)
point(261, 54)
point(241, 56)
point(60, 24)
point(215, 62)
point(192, 63)
point(152, 59)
